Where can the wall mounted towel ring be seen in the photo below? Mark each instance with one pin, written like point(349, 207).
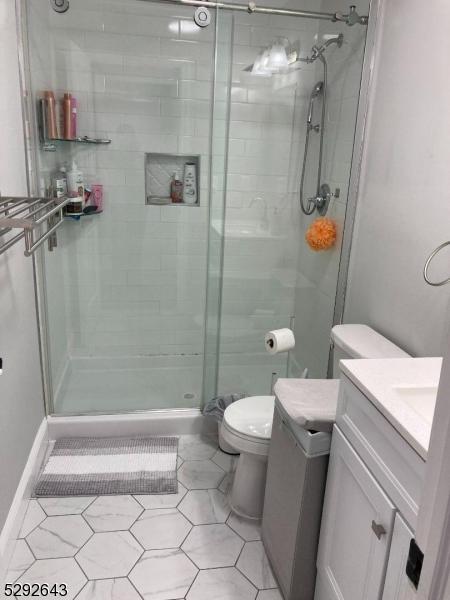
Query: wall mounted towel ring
point(427, 264)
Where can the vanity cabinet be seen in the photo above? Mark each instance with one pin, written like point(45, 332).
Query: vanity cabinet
point(397, 586)
point(356, 529)
point(371, 504)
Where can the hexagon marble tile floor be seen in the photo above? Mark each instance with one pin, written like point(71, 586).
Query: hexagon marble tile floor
point(161, 547)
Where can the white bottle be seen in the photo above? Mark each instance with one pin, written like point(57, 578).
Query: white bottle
point(190, 184)
point(75, 188)
point(59, 183)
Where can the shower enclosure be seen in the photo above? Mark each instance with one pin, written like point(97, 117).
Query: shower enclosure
point(151, 305)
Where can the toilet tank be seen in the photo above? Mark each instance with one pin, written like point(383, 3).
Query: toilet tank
point(361, 341)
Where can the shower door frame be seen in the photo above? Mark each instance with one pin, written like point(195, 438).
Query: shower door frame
point(366, 86)
point(31, 145)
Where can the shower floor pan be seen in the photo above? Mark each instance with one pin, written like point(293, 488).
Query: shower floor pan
point(96, 385)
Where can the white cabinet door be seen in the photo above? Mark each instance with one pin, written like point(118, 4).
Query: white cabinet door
point(356, 529)
point(398, 586)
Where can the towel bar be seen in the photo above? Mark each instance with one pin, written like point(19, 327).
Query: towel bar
point(427, 264)
point(30, 214)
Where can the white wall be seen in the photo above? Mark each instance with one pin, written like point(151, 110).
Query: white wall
point(404, 199)
point(21, 403)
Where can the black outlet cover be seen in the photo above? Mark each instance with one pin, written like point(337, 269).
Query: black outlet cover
point(414, 564)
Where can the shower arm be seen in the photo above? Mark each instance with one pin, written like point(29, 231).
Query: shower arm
point(317, 51)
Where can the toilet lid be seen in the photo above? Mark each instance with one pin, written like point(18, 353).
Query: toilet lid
point(252, 416)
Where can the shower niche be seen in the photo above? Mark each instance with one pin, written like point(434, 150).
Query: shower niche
point(162, 170)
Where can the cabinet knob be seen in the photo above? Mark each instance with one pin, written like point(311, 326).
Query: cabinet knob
point(378, 530)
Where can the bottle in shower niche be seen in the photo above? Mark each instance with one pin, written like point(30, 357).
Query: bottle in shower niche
point(59, 183)
point(190, 184)
point(75, 188)
point(176, 188)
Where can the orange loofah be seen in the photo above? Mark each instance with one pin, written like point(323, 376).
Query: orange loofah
point(321, 234)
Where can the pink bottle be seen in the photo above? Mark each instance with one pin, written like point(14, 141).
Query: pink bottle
point(96, 198)
point(73, 117)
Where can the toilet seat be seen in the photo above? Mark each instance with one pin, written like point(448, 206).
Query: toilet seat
point(247, 424)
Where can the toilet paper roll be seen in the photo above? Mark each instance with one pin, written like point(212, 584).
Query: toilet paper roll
point(279, 340)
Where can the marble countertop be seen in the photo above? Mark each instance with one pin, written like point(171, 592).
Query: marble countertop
point(404, 390)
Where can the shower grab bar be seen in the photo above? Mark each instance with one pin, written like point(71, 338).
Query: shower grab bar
point(428, 262)
point(29, 214)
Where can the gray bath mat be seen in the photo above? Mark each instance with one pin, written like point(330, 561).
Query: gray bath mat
point(102, 466)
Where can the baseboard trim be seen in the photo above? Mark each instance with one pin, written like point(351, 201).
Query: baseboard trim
point(23, 493)
point(156, 422)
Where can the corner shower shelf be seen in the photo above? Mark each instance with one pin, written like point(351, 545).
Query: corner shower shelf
point(78, 217)
point(30, 214)
point(49, 145)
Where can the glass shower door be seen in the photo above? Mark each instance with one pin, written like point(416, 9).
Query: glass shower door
point(124, 293)
point(271, 277)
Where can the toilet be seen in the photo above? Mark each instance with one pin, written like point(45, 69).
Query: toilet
point(247, 424)
point(247, 428)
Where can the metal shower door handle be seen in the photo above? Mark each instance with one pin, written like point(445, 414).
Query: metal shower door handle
point(427, 265)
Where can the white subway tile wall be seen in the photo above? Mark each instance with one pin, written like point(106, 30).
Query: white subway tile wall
point(129, 285)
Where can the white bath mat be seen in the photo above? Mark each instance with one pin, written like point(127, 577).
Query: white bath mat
point(104, 466)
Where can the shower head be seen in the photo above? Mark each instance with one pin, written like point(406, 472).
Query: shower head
point(317, 51)
point(281, 49)
point(274, 59)
point(317, 91)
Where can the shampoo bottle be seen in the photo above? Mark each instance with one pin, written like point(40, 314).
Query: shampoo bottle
point(67, 116)
point(73, 117)
point(176, 188)
point(190, 183)
point(50, 115)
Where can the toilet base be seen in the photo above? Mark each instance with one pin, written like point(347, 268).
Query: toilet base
point(225, 446)
point(249, 484)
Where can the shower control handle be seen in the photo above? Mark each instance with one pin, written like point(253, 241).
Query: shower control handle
point(322, 201)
